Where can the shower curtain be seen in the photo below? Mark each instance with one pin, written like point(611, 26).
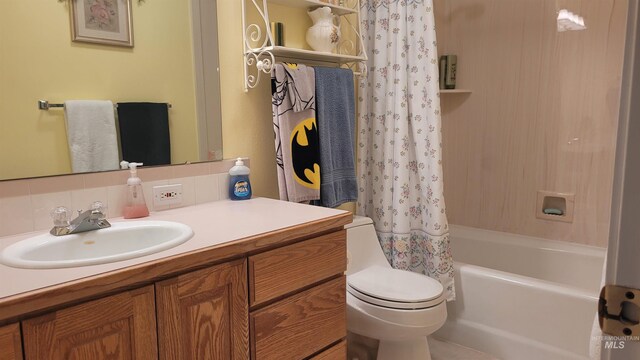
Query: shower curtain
point(399, 139)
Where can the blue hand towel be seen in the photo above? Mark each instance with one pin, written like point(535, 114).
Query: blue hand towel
point(336, 122)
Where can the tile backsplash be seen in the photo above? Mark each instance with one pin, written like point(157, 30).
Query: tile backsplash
point(25, 204)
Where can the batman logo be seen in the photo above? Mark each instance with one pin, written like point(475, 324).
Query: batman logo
point(305, 153)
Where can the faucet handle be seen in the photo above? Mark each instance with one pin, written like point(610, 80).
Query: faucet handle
point(60, 216)
point(98, 207)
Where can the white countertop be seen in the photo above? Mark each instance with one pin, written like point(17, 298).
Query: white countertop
point(213, 224)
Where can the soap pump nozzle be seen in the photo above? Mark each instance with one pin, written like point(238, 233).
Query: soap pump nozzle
point(133, 170)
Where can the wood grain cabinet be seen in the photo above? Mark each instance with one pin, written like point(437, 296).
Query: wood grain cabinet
point(300, 325)
point(10, 342)
point(336, 352)
point(204, 314)
point(281, 302)
point(298, 298)
point(121, 326)
point(290, 268)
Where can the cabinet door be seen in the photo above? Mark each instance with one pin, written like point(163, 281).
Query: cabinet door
point(10, 342)
point(204, 314)
point(120, 326)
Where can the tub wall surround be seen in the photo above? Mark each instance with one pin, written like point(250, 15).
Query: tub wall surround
point(542, 115)
point(25, 204)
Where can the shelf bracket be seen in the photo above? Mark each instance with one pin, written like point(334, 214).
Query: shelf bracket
point(256, 56)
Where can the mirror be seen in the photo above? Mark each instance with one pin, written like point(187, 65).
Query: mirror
point(174, 59)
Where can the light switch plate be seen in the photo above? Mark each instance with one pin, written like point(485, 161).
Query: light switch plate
point(167, 195)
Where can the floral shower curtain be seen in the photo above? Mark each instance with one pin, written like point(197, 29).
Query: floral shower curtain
point(400, 160)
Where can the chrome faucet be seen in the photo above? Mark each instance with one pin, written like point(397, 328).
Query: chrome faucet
point(92, 219)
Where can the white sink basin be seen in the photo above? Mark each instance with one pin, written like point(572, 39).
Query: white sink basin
point(122, 241)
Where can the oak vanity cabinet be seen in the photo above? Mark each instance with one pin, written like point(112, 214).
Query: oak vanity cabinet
point(121, 326)
point(10, 342)
point(200, 315)
point(287, 323)
point(203, 314)
point(275, 299)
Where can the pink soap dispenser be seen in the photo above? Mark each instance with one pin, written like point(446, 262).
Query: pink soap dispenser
point(135, 206)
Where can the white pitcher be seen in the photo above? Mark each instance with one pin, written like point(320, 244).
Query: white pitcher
point(324, 35)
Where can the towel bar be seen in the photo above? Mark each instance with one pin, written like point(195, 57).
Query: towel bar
point(45, 105)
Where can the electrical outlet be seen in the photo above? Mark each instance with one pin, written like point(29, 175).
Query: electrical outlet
point(167, 195)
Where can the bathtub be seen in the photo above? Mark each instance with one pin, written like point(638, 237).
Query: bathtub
point(520, 297)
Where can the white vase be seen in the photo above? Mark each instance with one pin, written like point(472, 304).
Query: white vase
point(324, 35)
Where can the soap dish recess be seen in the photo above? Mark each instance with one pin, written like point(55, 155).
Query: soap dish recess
point(555, 200)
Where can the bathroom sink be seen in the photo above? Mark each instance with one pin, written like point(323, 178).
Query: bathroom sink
point(121, 241)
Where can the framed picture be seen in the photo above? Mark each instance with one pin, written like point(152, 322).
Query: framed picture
point(102, 22)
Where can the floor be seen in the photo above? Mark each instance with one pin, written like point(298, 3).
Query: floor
point(363, 348)
point(441, 350)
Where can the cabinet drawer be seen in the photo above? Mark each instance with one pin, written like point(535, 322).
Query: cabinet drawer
point(300, 325)
point(278, 272)
point(10, 342)
point(336, 352)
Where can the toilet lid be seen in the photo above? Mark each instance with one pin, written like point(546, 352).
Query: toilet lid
point(395, 285)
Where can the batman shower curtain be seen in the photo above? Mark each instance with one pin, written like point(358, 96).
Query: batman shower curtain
point(399, 160)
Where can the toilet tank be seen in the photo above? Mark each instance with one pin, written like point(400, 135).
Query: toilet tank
point(363, 247)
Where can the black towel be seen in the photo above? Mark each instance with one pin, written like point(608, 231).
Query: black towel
point(144, 133)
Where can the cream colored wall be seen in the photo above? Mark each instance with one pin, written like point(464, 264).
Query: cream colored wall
point(39, 61)
point(25, 204)
point(246, 117)
point(247, 128)
point(542, 115)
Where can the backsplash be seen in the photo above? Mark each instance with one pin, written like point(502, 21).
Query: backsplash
point(25, 204)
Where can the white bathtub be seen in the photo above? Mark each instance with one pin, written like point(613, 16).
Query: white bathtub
point(521, 298)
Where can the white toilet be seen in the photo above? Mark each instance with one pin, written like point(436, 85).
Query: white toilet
point(399, 308)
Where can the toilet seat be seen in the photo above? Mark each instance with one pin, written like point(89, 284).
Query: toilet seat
point(396, 289)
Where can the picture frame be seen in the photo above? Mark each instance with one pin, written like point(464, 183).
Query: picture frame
point(106, 22)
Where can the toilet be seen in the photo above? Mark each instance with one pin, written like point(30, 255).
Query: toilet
point(399, 308)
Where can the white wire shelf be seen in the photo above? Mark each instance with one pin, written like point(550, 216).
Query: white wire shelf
point(336, 9)
point(260, 54)
point(303, 54)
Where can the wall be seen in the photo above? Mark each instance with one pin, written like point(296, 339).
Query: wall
point(247, 131)
point(25, 204)
point(35, 53)
point(542, 116)
point(247, 127)
point(246, 116)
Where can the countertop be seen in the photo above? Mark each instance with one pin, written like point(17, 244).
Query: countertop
point(220, 224)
